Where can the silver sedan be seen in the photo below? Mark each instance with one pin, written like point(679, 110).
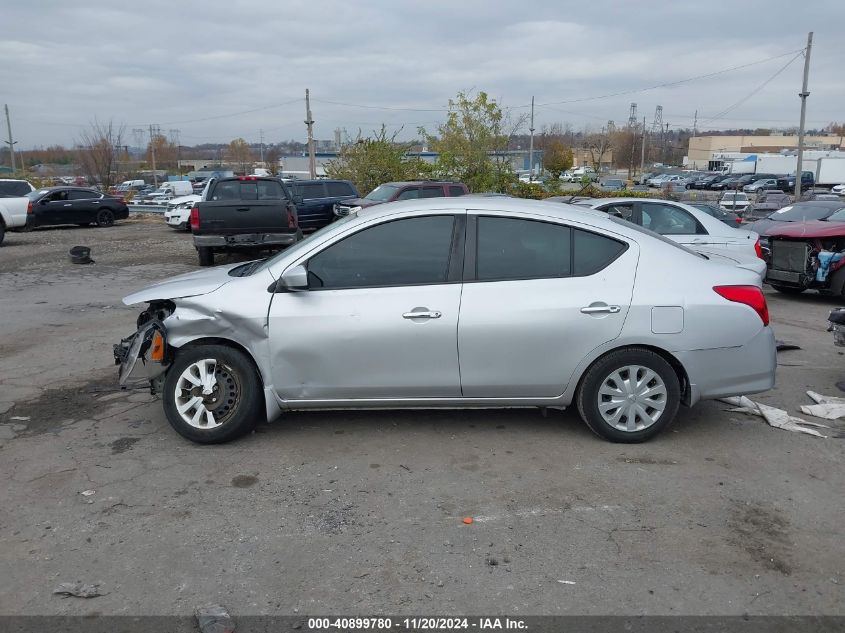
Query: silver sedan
point(456, 302)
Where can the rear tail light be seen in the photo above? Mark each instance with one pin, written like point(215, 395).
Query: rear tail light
point(248, 178)
point(758, 249)
point(195, 219)
point(751, 296)
point(293, 220)
point(29, 209)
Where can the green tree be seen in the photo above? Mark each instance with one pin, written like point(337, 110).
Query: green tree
point(472, 143)
point(557, 158)
point(371, 161)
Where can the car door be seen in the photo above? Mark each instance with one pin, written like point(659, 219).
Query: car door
point(53, 208)
point(84, 204)
point(380, 317)
point(314, 212)
point(538, 297)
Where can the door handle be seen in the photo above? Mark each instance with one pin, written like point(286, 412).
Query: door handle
point(601, 309)
point(433, 314)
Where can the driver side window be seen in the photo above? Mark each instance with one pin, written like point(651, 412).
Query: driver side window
point(399, 253)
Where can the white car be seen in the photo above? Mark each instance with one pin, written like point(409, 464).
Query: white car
point(178, 211)
point(734, 201)
point(689, 226)
point(838, 189)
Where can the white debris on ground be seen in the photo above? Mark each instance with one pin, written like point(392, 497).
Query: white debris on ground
point(777, 418)
point(827, 407)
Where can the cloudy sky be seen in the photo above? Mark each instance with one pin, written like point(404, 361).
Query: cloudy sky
point(218, 70)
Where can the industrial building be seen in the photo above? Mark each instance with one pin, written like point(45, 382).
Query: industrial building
point(711, 152)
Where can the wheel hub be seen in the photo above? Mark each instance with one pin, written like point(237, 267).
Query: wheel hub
point(632, 398)
point(207, 394)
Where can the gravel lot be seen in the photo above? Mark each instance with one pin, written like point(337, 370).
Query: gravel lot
point(327, 512)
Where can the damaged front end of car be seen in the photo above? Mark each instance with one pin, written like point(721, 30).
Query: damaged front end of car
point(807, 264)
point(145, 355)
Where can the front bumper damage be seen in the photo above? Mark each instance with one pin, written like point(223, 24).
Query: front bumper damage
point(145, 355)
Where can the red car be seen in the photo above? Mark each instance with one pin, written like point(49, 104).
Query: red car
point(808, 255)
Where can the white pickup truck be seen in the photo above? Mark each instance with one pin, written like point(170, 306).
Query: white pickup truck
point(13, 205)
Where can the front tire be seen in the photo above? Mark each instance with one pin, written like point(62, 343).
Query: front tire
point(212, 394)
point(2, 232)
point(105, 218)
point(205, 256)
point(629, 395)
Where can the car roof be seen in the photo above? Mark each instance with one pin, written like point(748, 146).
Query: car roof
point(832, 204)
point(403, 183)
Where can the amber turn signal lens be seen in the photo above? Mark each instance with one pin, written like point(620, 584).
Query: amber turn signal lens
point(157, 349)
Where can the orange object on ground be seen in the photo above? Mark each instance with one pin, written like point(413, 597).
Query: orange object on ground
point(467, 520)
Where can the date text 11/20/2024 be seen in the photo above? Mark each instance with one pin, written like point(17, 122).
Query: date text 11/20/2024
point(416, 624)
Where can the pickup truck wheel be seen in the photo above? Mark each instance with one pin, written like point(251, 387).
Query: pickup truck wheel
point(787, 290)
point(105, 217)
point(212, 394)
point(629, 395)
point(205, 255)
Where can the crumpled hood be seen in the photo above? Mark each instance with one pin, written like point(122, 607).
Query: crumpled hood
point(188, 285)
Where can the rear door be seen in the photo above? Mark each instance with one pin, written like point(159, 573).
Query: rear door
point(315, 210)
point(84, 204)
point(52, 208)
point(538, 297)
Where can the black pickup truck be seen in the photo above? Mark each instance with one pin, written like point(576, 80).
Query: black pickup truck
point(245, 212)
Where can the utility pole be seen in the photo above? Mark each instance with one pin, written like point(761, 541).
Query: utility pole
point(261, 137)
point(642, 152)
point(803, 94)
point(695, 125)
point(309, 122)
point(174, 138)
point(153, 135)
point(11, 141)
point(531, 144)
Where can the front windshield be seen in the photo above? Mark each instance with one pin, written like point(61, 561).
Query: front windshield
point(382, 193)
point(305, 242)
point(799, 212)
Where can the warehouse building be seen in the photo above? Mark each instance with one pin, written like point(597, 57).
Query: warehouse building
point(709, 152)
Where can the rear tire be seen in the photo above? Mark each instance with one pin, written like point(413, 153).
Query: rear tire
point(642, 385)
point(787, 290)
point(105, 218)
point(205, 256)
point(234, 405)
point(2, 232)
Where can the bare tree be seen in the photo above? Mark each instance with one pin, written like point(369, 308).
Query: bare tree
point(100, 146)
point(598, 145)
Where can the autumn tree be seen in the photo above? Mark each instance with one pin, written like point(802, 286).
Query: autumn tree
point(166, 152)
point(557, 157)
point(472, 143)
point(100, 145)
point(238, 152)
point(371, 161)
point(598, 144)
point(272, 154)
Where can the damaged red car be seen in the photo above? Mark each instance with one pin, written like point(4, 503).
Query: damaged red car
point(808, 255)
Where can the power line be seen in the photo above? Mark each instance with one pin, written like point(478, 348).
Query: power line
point(732, 107)
point(669, 83)
point(372, 107)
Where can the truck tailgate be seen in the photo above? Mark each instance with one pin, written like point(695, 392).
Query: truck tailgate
point(228, 217)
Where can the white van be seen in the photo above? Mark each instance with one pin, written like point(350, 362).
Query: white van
point(173, 189)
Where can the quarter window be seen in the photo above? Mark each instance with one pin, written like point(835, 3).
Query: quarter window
point(455, 190)
point(593, 252)
point(399, 253)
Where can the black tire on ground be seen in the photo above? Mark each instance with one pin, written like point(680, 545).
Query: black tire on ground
point(205, 255)
point(83, 224)
point(239, 403)
point(587, 397)
point(787, 290)
point(2, 232)
point(105, 217)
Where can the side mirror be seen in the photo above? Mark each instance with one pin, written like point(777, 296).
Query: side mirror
point(295, 278)
point(297, 199)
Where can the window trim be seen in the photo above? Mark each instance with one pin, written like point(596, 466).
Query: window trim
point(471, 249)
point(454, 265)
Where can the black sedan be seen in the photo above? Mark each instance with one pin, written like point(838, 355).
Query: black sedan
point(74, 205)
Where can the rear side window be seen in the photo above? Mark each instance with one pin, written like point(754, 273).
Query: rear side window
point(455, 190)
point(409, 194)
point(81, 194)
point(432, 192)
point(13, 188)
point(338, 189)
point(522, 249)
point(669, 220)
